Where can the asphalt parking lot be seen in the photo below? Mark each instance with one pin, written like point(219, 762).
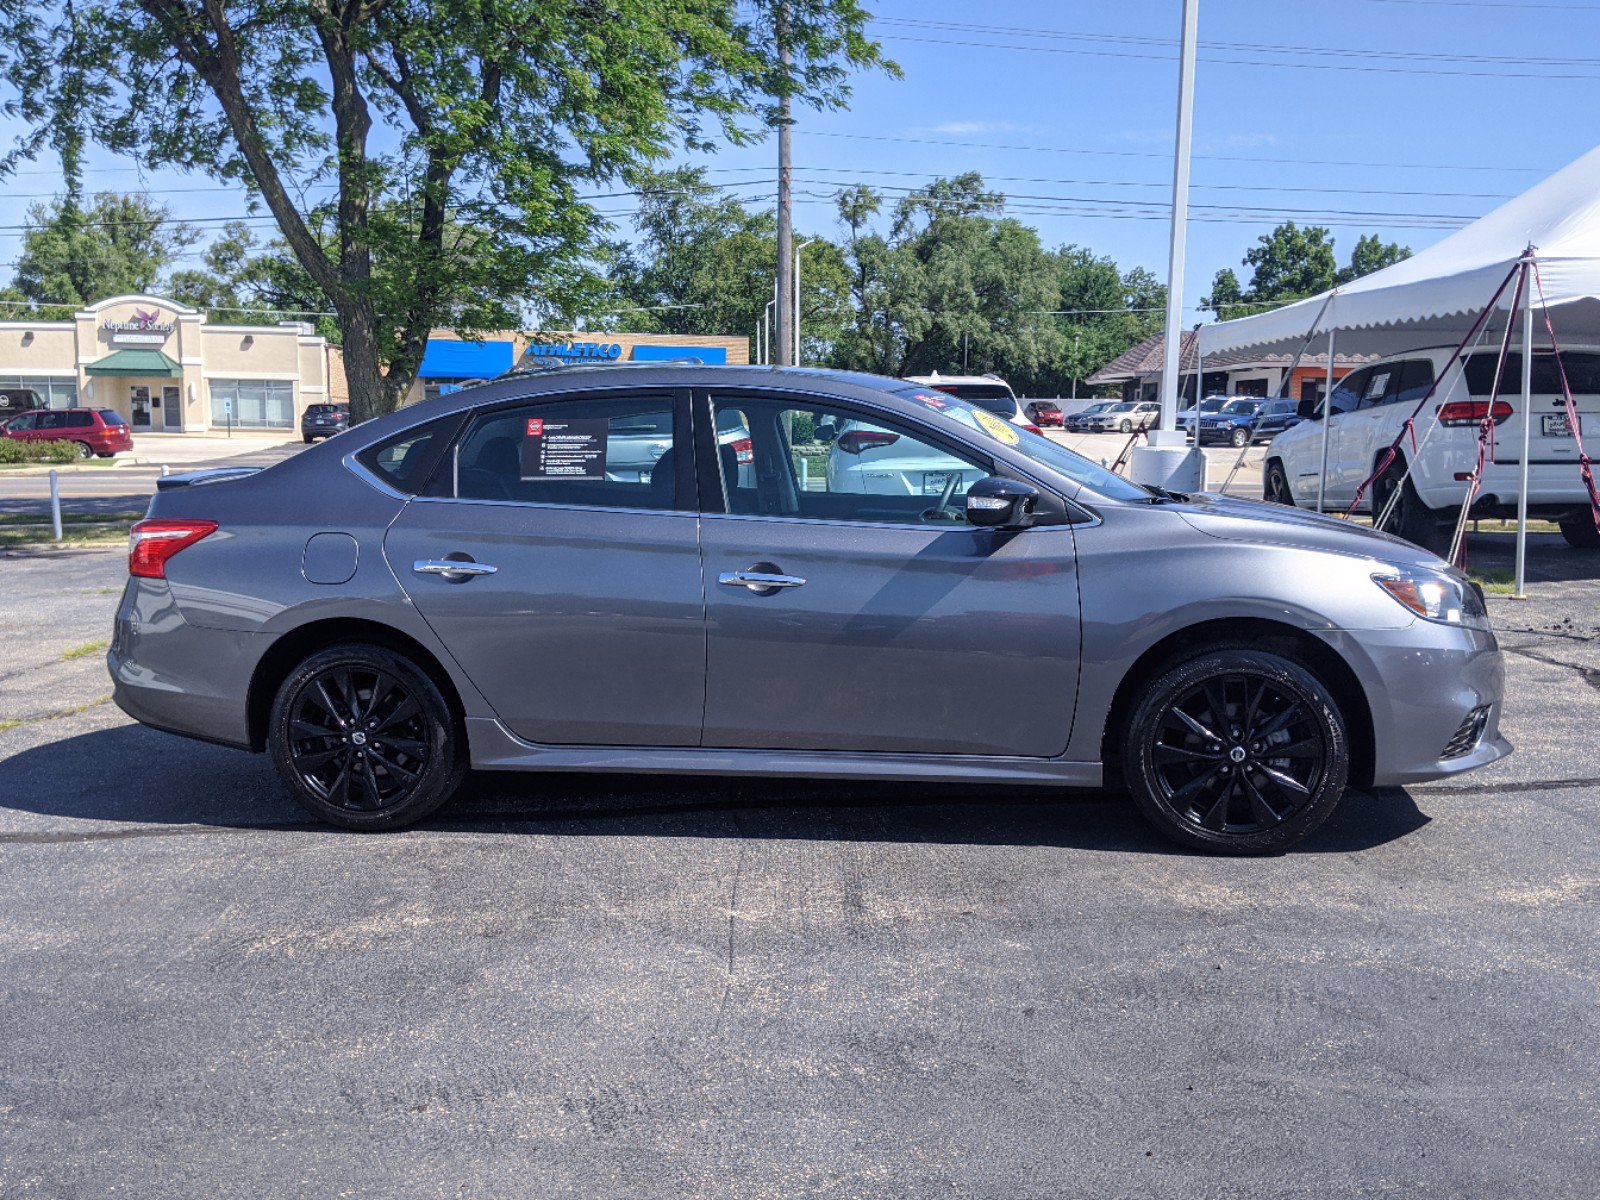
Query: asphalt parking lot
point(622, 987)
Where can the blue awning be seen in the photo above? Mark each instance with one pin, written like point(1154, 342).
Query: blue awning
point(449, 359)
point(706, 354)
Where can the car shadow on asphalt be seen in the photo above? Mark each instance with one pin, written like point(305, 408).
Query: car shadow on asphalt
point(129, 775)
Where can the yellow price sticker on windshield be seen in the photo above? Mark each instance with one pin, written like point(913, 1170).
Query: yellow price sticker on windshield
point(1000, 431)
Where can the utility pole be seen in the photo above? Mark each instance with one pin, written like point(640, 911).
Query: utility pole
point(783, 336)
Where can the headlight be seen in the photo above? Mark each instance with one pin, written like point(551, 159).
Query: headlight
point(1448, 599)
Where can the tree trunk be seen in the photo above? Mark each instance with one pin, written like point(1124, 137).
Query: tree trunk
point(369, 391)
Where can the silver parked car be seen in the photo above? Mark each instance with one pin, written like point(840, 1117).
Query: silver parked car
point(468, 583)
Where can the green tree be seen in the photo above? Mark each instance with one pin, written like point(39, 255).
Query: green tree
point(241, 282)
point(1102, 312)
point(74, 255)
point(457, 135)
point(1371, 255)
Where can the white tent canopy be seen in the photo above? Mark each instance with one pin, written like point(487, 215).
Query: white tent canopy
point(1434, 296)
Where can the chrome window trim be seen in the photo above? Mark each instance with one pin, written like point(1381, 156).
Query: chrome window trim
point(930, 528)
point(539, 504)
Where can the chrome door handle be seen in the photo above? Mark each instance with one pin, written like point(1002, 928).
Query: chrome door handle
point(448, 567)
point(758, 581)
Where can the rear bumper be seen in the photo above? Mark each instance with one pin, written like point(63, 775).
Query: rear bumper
point(178, 677)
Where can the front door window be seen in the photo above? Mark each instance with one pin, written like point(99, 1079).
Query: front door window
point(139, 402)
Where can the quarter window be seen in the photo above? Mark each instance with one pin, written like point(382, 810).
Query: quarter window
point(819, 463)
point(593, 453)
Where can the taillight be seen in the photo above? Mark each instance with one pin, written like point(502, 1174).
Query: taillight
point(152, 542)
point(743, 450)
point(857, 440)
point(1472, 412)
point(1034, 429)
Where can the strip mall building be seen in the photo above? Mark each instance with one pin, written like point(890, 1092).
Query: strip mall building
point(166, 369)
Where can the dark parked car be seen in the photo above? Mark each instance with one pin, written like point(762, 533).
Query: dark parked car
point(95, 432)
point(324, 420)
point(1078, 422)
point(465, 584)
point(1044, 413)
point(1247, 419)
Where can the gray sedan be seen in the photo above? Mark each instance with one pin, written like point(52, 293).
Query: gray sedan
point(464, 583)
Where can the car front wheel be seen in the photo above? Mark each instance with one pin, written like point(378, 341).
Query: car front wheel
point(364, 738)
point(1236, 752)
point(1240, 438)
point(1127, 425)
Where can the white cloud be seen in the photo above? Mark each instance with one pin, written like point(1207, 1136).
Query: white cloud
point(970, 127)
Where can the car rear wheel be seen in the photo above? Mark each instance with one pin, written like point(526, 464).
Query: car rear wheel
point(84, 449)
point(364, 739)
point(1240, 438)
point(1275, 485)
point(1236, 752)
point(1579, 530)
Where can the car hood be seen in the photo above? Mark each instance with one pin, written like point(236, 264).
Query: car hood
point(1232, 519)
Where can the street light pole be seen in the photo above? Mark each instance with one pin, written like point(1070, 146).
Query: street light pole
point(784, 340)
point(796, 317)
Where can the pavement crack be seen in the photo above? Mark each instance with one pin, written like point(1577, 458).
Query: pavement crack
point(1590, 675)
point(54, 715)
point(733, 908)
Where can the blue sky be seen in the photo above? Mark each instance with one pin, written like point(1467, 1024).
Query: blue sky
point(1068, 107)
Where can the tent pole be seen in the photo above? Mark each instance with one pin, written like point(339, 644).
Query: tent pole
point(1521, 592)
point(1327, 417)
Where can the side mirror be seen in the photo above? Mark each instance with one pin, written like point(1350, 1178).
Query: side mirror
point(1309, 410)
point(826, 432)
point(998, 503)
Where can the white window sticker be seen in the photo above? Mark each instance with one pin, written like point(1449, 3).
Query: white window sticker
point(574, 449)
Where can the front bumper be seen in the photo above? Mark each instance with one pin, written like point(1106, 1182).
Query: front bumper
point(1421, 682)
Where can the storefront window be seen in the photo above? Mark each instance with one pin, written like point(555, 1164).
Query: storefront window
point(256, 403)
point(52, 392)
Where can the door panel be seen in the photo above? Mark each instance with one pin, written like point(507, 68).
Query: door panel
point(591, 631)
point(954, 641)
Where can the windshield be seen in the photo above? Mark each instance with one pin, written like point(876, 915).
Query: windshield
point(1035, 445)
point(1247, 407)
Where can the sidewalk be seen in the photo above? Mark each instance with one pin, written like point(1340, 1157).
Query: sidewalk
point(179, 451)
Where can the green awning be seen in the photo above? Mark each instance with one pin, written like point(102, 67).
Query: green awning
point(135, 362)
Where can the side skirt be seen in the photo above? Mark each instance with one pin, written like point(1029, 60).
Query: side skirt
point(495, 748)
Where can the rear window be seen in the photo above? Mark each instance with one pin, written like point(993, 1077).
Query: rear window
point(111, 418)
point(322, 410)
point(995, 397)
point(1583, 373)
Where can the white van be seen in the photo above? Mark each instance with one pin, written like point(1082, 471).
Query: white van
point(1369, 407)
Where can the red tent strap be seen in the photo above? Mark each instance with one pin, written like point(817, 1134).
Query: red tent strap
point(1585, 463)
point(1388, 456)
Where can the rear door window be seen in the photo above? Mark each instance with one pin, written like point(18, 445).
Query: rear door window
point(611, 453)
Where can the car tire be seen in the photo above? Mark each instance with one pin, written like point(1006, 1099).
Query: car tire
point(1579, 530)
point(1240, 438)
point(1275, 485)
point(364, 738)
point(105, 454)
point(1235, 792)
point(85, 451)
point(1127, 425)
point(307, 438)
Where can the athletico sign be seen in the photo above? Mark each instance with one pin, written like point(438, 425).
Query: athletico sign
point(574, 350)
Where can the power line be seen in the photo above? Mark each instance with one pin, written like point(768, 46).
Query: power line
point(1235, 62)
point(1243, 47)
point(1166, 156)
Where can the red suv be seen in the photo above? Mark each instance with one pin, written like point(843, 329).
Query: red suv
point(93, 430)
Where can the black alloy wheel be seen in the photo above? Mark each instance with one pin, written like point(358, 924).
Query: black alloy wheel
point(1275, 486)
point(1237, 751)
point(364, 739)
